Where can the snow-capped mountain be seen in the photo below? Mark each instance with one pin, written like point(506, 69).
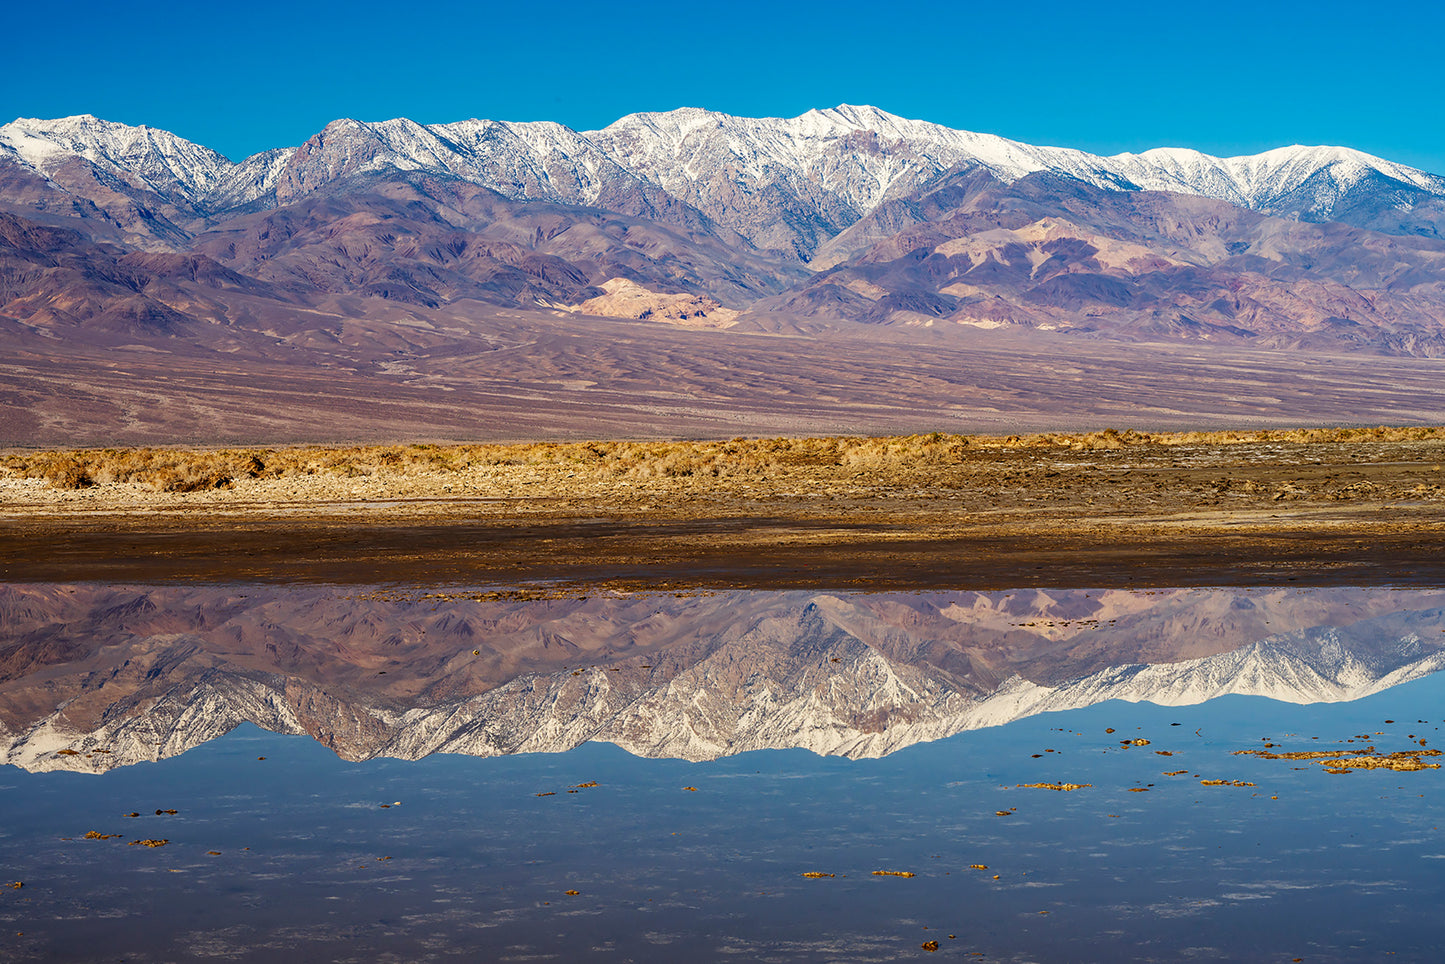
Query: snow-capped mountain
point(140, 157)
point(849, 159)
point(845, 221)
point(1307, 179)
point(538, 160)
point(818, 172)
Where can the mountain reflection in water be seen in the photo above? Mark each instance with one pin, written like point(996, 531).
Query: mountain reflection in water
point(93, 678)
point(1239, 829)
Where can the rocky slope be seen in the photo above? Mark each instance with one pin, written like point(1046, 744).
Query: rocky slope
point(1059, 254)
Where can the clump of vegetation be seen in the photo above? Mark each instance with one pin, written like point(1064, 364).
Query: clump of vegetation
point(1111, 438)
point(740, 459)
point(62, 470)
point(164, 470)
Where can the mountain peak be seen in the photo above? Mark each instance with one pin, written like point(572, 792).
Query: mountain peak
point(157, 159)
point(1272, 180)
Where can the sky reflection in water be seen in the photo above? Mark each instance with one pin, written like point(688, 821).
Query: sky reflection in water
point(474, 863)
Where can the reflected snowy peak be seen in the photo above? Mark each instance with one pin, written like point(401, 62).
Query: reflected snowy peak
point(92, 677)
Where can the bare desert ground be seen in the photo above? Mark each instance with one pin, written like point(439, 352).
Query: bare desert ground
point(1322, 506)
point(477, 373)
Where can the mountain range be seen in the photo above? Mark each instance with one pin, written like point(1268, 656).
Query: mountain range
point(847, 213)
point(372, 245)
point(97, 677)
point(821, 172)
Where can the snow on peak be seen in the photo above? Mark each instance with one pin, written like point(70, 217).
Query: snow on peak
point(1263, 181)
point(843, 160)
point(157, 159)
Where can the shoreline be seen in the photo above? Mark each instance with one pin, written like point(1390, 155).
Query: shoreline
point(1327, 507)
point(738, 554)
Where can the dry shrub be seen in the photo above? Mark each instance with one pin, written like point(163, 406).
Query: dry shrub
point(191, 478)
point(174, 470)
point(162, 469)
point(62, 470)
point(895, 453)
point(1114, 439)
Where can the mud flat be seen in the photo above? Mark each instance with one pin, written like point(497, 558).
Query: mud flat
point(1316, 507)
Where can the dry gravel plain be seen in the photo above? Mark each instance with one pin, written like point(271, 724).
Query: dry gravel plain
point(1315, 507)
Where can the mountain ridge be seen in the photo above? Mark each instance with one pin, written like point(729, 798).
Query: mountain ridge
point(546, 160)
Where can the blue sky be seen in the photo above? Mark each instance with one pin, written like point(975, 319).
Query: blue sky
point(1225, 78)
